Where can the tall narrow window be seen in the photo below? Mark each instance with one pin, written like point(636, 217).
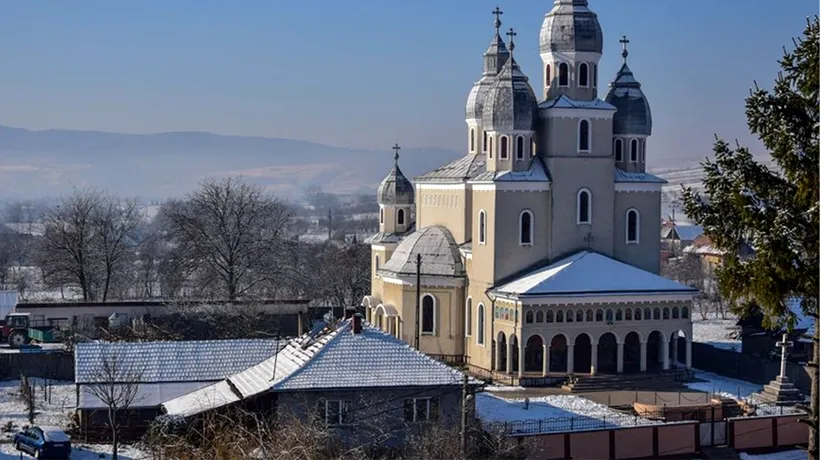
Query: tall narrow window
point(583, 75)
point(584, 207)
point(491, 147)
point(548, 76)
point(633, 226)
point(484, 144)
point(619, 150)
point(643, 150)
point(400, 217)
point(563, 74)
point(472, 139)
point(428, 314)
point(525, 228)
point(504, 147)
point(480, 330)
point(381, 215)
point(468, 315)
point(519, 148)
point(376, 264)
point(633, 150)
point(532, 147)
point(482, 227)
point(583, 136)
point(594, 75)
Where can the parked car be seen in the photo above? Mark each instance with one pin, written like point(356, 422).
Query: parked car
point(44, 442)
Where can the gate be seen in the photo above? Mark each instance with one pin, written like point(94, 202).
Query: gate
point(713, 433)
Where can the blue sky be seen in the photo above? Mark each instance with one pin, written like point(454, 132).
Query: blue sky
point(364, 73)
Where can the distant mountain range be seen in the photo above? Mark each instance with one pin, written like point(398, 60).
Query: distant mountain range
point(155, 166)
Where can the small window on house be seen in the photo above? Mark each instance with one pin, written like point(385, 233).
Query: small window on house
point(584, 207)
point(484, 144)
point(525, 228)
point(528, 317)
point(472, 139)
point(381, 215)
point(519, 148)
point(633, 229)
point(336, 412)
point(504, 147)
point(619, 150)
point(420, 409)
point(583, 136)
point(428, 314)
point(563, 74)
point(539, 316)
point(548, 75)
point(482, 227)
point(583, 75)
point(468, 315)
point(480, 330)
point(400, 217)
point(633, 150)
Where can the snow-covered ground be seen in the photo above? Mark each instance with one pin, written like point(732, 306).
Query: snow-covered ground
point(495, 409)
point(784, 455)
point(56, 413)
point(723, 386)
point(720, 333)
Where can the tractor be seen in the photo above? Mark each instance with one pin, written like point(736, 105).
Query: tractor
point(14, 329)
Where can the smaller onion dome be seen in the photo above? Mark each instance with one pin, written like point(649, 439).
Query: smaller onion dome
point(510, 104)
point(438, 249)
point(633, 115)
point(494, 59)
point(395, 189)
point(571, 27)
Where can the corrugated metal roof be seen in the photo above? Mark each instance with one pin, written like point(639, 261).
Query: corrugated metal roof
point(459, 170)
point(438, 249)
point(640, 177)
point(148, 394)
point(535, 173)
point(182, 361)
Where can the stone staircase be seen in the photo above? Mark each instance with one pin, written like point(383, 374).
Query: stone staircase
point(669, 380)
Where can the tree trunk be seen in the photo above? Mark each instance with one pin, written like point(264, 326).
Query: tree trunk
point(114, 439)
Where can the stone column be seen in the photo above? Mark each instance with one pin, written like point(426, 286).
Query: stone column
point(675, 350)
point(509, 358)
point(643, 356)
point(620, 357)
point(665, 354)
point(545, 366)
point(593, 366)
point(521, 351)
point(688, 353)
point(570, 359)
point(497, 357)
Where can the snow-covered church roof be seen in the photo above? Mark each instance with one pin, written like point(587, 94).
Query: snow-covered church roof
point(332, 359)
point(589, 273)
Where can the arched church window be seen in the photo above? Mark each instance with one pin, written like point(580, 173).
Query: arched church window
point(633, 226)
point(539, 316)
point(468, 315)
point(519, 148)
point(504, 147)
point(472, 139)
point(619, 315)
point(428, 314)
point(637, 314)
point(525, 228)
point(491, 147)
point(675, 313)
point(482, 227)
point(643, 150)
point(579, 316)
point(665, 312)
point(684, 312)
point(480, 330)
point(563, 74)
point(628, 314)
point(599, 315)
point(559, 316)
point(532, 148)
point(584, 207)
point(619, 150)
point(589, 315)
point(381, 215)
point(528, 317)
point(549, 316)
point(376, 264)
point(400, 217)
point(647, 314)
point(583, 136)
point(594, 75)
point(609, 316)
point(583, 75)
point(570, 316)
point(656, 313)
point(633, 150)
point(484, 144)
point(548, 75)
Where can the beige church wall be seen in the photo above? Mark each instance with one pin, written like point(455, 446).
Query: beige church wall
point(647, 253)
point(566, 143)
point(447, 208)
point(511, 256)
point(480, 355)
point(569, 176)
point(483, 254)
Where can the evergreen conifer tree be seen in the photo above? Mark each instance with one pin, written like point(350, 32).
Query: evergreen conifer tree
point(774, 207)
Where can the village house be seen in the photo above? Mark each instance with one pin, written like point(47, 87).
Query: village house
point(355, 378)
point(158, 371)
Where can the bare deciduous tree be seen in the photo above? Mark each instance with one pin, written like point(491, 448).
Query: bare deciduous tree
point(234, 231)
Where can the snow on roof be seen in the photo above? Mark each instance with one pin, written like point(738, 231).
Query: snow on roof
point(564, 102)
point(339, 359)
point(688, 232)
point(590, 273)
point(182, 361)
point(147, 394)
point(703, 245)
point(535, 173)
point(639, 177)
point(803, 321)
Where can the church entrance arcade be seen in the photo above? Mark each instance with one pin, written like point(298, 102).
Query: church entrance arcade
point(632, 353)
point(558, 354)
point(607, 349)
point(534, 354)
point(582, 356)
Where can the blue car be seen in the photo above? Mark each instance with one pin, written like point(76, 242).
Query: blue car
point(45, 442)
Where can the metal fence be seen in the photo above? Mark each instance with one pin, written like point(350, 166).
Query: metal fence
point(564, 424)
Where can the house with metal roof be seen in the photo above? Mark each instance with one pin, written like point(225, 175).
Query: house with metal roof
point(351, 375)
point(155, 372)
point(550, 188)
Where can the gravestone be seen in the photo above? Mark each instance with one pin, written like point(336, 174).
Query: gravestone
point(781, 391)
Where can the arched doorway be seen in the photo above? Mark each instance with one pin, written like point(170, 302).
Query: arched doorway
point(632, 352)
point(582, 356)
point(558, 354)
point(607, 353)
point(514, 345)
point(654, 359)
point(501, 349)
point(534, 354)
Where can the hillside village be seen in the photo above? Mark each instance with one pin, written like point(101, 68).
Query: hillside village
point(543, 295)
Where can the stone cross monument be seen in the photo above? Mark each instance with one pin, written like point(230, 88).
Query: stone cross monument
point(781, 391)
point(784, 346)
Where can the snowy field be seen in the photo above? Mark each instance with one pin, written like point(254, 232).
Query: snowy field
point(784, 455)
point(56, 413)
point(723, 386)
point(720, 333)
point(586, 413)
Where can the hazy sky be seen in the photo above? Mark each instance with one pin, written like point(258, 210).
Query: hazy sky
point(363, 73)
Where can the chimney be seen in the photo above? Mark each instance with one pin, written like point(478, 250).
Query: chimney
point(357, 323)
point(349, 312)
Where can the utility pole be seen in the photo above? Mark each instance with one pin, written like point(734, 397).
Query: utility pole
point(464, 382)
point(418, 297)
point(329, 223)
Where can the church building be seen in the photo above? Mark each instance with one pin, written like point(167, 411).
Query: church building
point(539, 249)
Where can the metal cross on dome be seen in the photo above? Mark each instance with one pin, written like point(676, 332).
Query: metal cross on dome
point(512, 35)
point(396, 149)
point(624, 41)
point(497, 12)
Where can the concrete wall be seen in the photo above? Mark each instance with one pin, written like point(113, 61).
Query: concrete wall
point(446, 207)
point(510, 256)
point(764, 432)
point(646, 254)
